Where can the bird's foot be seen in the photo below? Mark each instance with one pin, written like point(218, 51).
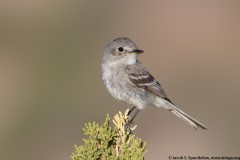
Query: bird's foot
point(127, 126)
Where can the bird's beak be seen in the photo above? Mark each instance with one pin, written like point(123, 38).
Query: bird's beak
point(137, 51)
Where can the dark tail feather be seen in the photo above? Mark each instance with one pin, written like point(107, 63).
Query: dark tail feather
point(193, 122)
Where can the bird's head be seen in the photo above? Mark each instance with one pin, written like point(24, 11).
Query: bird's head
point(121, 50)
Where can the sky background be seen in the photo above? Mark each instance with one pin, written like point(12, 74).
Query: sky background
point(50, 74)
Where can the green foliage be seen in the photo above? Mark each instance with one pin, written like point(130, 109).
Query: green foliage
point(105, 143)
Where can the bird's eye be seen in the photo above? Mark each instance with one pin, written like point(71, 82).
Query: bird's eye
point(120, 49)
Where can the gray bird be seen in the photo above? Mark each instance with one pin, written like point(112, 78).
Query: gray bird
point(127, 80)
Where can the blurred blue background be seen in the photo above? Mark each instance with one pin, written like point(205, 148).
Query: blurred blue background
point(50, 74)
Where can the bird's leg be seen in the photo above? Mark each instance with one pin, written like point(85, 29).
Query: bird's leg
point(130, 121)
point(129, 112)
point(134, 115)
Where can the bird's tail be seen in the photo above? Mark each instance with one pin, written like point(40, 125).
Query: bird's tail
point(171, 107)
point(193, 122)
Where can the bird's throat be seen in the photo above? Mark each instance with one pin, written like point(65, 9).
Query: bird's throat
point(131, 59)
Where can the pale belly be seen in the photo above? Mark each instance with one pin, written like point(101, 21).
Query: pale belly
point(129, 94)
point(123, 90)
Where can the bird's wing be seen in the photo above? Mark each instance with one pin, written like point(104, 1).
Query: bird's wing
point(141, 78)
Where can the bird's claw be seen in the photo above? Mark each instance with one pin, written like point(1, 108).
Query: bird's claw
point(128, 126)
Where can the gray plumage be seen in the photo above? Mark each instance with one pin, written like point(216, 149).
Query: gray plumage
point(127, 80)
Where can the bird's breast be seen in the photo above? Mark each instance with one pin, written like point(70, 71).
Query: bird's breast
point(118, 85)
